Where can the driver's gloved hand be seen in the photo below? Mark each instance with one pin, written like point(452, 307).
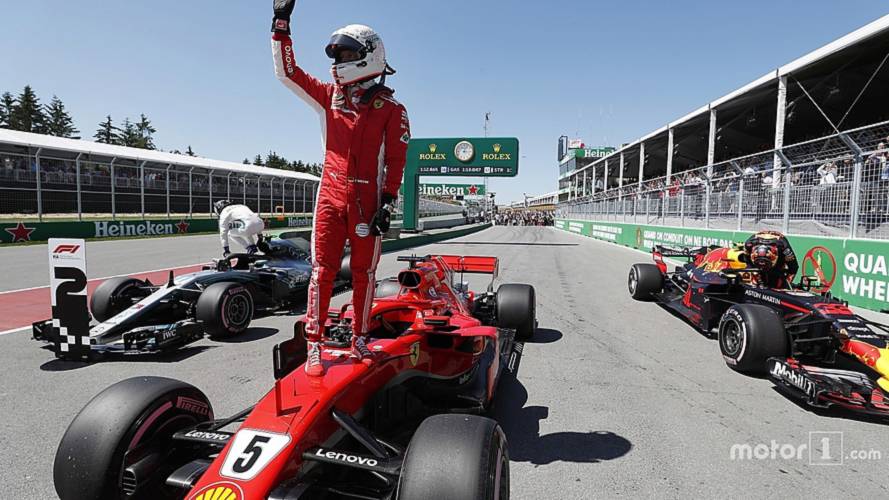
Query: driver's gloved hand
point(382, 219)
point(251, 249)
point(226, 252)
point(281, 20)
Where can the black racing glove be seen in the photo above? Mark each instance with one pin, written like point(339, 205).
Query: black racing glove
point(381, 220)
point(281, 20)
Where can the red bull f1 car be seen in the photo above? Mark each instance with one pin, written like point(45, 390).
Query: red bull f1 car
point(407, 426)
point(810, 344)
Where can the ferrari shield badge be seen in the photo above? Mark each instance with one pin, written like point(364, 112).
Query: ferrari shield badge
point(362, 230)
point(415, 353)
point(378, 104)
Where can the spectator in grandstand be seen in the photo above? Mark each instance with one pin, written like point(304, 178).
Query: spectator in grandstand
point(828, 173)
point(675, 186)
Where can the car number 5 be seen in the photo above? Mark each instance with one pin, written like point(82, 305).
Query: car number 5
point(251, 451)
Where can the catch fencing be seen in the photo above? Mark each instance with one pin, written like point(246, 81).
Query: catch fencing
point(41, 184)
point(34, 184)
point(832, 186)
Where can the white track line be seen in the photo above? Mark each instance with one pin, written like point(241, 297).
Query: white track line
point(14, 330)
point(102, 279)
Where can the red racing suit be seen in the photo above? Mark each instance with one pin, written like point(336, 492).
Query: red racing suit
point(365, 132)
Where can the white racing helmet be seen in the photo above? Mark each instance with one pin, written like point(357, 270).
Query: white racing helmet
point(369, 46)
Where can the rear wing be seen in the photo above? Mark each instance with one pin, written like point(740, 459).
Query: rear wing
point(473, 264)
point(678, 252)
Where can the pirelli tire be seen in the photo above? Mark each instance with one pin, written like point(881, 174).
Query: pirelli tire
point(114, 295)
point(225, 309)
point(456, 457)
point(118, 428)
point(644, 280)
point(345, 272)
point(517, 308)
point(750, 334)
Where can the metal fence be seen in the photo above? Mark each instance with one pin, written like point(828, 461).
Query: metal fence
point(833, 186)
point(32, 184)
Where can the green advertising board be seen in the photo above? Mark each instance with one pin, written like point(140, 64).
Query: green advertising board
point(852, 269)
point(593, 152)
point(455, 156)
point(449, 189)
point(24, 231)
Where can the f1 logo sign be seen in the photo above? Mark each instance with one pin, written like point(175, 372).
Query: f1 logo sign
point(67, 280)
point(72, 249)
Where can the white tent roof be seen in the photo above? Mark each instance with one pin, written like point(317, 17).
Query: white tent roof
point(28, 139)
point(870, 30)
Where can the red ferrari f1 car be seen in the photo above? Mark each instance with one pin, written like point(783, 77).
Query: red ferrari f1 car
point(811, 345)
point(408, 426)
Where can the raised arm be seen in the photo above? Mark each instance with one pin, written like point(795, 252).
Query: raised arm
point(314, 92)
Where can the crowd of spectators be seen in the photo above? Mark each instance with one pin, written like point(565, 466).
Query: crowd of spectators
point(524, 218)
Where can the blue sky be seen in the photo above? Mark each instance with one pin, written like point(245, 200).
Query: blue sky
point(608, 72)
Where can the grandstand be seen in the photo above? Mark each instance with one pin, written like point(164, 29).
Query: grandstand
point(803, 149)
point(42, 175)
point(546, 201)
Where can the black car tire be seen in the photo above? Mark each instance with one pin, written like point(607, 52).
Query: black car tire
point(750, 334)
point(345, 272)
point(517, 308)
point(644, 280)
point(136, 412)
point(456, 457)
point(387, 288)
point(225, 309)
point(114, 295)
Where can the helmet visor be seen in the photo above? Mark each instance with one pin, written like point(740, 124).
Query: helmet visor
point(341, 42)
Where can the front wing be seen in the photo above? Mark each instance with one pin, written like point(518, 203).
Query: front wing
point(140, 340)
point(827, 387)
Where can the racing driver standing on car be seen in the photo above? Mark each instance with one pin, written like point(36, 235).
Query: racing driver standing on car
point(365, 132)
point(771, 252)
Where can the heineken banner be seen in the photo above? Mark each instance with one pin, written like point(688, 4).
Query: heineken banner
point(449, 190)
point(20, 231)
point(853, 270)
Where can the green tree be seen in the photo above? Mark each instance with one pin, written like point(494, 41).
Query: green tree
point(246, 161)
point(257, 160)
point(7, 103)
point(27, 113)
point(189, 151)
point(128, 135)
point(58, 121)
point(107, 133)
point(273, 160)
point(144, 130)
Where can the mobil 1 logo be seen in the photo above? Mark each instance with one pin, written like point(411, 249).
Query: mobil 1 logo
point(67, 280)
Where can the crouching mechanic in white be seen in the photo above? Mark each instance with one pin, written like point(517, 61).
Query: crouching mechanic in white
point(239, 223)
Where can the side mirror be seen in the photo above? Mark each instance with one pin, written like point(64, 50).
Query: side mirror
point(809, 282)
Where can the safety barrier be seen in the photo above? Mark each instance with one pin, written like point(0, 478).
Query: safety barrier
point(852, 269)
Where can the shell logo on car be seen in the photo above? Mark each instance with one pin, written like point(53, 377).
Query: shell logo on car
point(220, 491)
